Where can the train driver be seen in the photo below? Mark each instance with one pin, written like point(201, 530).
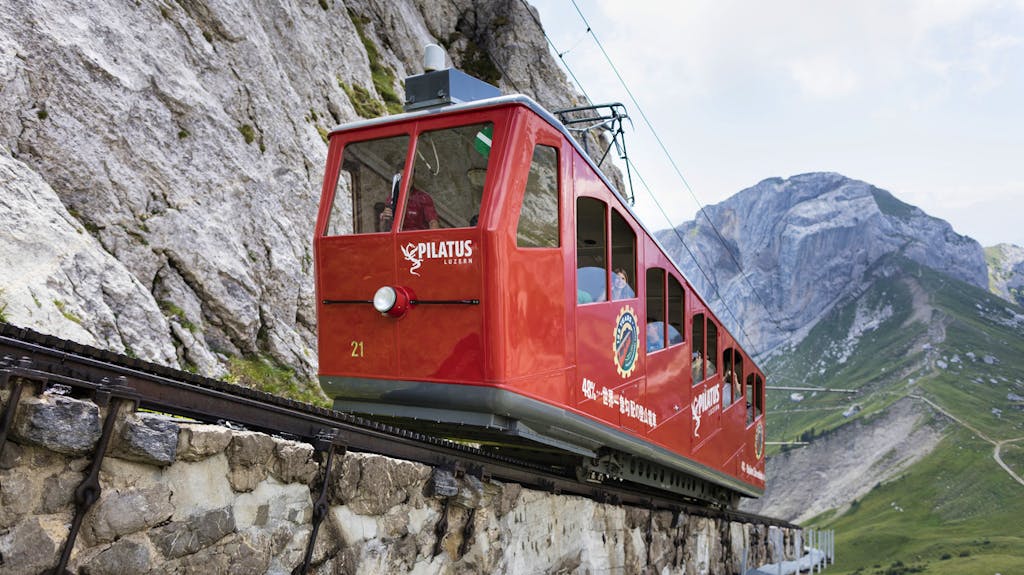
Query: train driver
point(420, 213)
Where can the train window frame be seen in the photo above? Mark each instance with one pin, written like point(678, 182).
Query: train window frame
point(455, 200)
point(623, 257)
point(353, 219)
point(705, 346)
point(533, 194)
point(698, 351)
point(591, 250)
point(732, 377)
point(754, 397)
point(655, 299)
point(680, 314)
point(711, 333)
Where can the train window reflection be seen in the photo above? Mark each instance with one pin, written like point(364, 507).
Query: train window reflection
point(697, 358)
point(449, 174)
point(655, 309)
point(732, 370)
point(676, 311)
point(591, 267)
point(538, 216)
point(369, 172)
point(623, 258)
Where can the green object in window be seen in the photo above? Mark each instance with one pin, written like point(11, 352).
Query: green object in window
point(482, 142)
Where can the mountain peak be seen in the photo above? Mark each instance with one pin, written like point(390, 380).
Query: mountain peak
point(805, 241)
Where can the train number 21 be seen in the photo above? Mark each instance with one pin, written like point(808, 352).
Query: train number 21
point(357, 349)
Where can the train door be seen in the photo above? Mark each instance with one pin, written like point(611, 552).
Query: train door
point(667, 349)
point(608, 320)
point(734, 409)
point(752, 465)
point(706, 394)
point(535, 308)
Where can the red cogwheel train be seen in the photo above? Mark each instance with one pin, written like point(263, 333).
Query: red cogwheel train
point(478, 276)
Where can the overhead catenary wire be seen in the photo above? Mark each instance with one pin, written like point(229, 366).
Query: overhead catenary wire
point(718, 234)
point(713, 284)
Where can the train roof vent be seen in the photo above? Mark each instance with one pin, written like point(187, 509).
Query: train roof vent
point(443, 87)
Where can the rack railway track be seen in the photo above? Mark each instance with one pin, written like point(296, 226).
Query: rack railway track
point(31, 362)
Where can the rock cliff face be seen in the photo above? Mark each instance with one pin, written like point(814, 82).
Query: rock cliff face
point(804, 243)
point(161, 162)
point(1006, 271)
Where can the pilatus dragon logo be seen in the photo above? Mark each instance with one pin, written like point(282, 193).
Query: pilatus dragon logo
point(626, 342)
point(409, 251)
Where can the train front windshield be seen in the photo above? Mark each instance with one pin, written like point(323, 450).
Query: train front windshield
point(448, 173)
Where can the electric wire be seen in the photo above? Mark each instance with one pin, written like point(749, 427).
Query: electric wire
point(679, 174)
point(742, 273)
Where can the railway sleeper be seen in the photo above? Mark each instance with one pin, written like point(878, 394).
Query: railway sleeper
point(611, 466)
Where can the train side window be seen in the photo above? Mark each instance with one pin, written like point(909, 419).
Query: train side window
point(449, 174)
point(712, 350)
point(676, 311)
point(697, 358)
point(591, 263)
point(727, 370)
point(732, 368)
point(758, 396)
point(538, 216)
point(655, 309)
point(369, 172)
point(748, 392)
point(623, 258)
point(755, 395)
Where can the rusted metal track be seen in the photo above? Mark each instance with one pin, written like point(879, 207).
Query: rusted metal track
point(27, 356)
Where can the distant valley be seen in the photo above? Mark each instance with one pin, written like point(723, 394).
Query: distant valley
point(862, 291)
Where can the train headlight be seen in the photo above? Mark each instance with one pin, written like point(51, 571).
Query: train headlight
point(385, 298)
point(392, 301)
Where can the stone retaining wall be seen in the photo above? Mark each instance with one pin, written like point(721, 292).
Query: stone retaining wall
point(190, 498)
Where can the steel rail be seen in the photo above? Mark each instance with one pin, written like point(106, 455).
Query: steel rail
point(26, 355)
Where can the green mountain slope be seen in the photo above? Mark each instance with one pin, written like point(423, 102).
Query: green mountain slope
point(955, 353)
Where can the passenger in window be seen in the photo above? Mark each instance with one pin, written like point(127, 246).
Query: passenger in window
point(420, 213)
point(695, 366)
point(675, 334)
point(709, 367)
point(620, 285)
point(728, 389)
point(655, 341)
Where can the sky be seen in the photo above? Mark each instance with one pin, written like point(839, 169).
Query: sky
point(923, 98)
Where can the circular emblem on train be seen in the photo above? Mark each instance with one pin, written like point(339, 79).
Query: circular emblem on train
point(626, 342)
point(759, 440)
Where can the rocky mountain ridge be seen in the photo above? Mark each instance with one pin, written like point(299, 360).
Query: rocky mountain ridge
point(161, 161)
point(1006, 271)
point(804, 243)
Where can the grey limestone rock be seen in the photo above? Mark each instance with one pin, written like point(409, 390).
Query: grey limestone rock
point(162, 162)
point(127, 555)
point(33, 544)
point(147, 438)
point(181, 538)
point(58, 423)
point(119, 513)
point(197, 441)
point(250, 457)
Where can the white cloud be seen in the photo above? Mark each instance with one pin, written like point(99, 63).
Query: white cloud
point(823, 77)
